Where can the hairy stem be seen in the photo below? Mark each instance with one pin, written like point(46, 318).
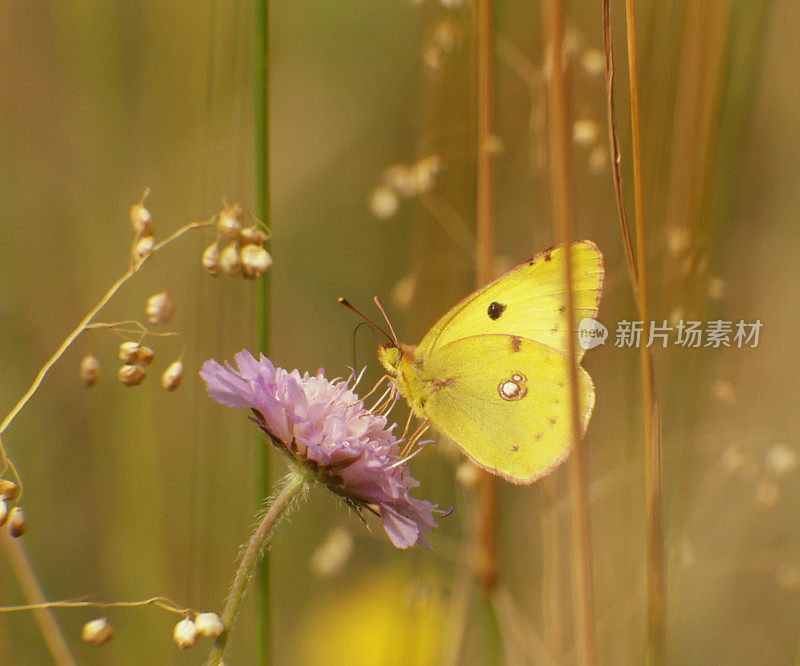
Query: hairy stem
point(293, 488)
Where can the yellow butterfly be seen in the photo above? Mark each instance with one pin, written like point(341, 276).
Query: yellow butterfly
point(492, 374)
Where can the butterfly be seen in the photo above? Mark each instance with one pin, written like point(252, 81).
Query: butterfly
point(492, 374)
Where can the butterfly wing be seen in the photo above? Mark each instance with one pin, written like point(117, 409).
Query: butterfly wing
point(505, 401)
point(529, 301)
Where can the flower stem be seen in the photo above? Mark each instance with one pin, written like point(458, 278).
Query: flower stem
point(294, 487)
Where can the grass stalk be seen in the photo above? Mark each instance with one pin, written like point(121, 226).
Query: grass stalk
point(263, 629)
point(551, 568)
point(656, 596)
point(563, 213)
point(23, 571)
point(486, 223)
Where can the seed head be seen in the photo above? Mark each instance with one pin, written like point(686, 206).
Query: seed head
point(210, 258)
point(781, 460)
point(141, 220)
point(133, 353)
point(424, 173)
point(229, 260)
point(432, 59)
point(445, 35)
point(724, 391)
point(8, 489)
point(173, 376)
point(679, 239)
point(584, 132)
point(252, 236)
point(383, 202)
point(716, 288)
point(97, 631)
point(256, 261)
point(159, 308)
point(593, 62)
point(402, 293)
point(229, 223)
point(209, 625)
point(185, 634)
point(3, 512)
point(89, 370)
point(131, 375)
point(144, 246)
point(333, 553)
point(127, 351)
point(145, 355)
point(467, 474)
point(16, 522)
point(399, 177)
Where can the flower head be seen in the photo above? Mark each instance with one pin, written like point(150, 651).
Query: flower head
point(324, 426)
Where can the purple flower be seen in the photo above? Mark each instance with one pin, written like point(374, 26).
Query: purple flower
point(323, 425)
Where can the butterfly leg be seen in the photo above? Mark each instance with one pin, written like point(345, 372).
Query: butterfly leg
point(408, 424)
point(374, 389)
point(416, 436)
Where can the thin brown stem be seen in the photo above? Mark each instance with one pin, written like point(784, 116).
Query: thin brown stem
point(160, 602)
point(559, 144)
point(656, 598)
point(487, 506)
point(614, 149)
point(20, 563)
point(552, 568)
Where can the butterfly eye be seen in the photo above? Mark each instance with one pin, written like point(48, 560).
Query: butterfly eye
point(495, 310)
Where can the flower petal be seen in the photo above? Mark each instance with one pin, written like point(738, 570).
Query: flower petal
point(324, 425)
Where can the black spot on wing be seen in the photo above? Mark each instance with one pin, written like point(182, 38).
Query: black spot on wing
point(515, 448)
point(516, 343)
point(495, 310)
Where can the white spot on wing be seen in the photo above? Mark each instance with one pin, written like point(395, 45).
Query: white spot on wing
point(513, 388)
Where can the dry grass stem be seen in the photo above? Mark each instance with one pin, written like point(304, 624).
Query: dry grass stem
point(559, 131)
point(637, 268)
point(487, 505)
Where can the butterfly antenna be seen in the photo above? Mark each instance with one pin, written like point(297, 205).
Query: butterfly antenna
point(350, 306)
point(355, 336)
point(383, 312)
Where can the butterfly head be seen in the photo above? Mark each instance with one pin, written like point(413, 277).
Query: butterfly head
point(392, 356)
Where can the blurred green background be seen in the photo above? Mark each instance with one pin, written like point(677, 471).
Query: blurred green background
point(132, 493)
